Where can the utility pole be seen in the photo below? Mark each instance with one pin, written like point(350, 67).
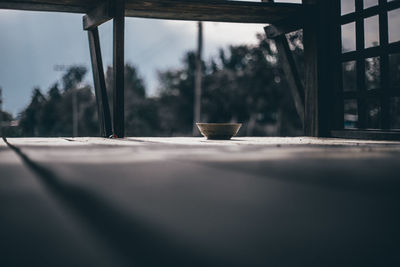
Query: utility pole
point(75, 111)
point(197, 79)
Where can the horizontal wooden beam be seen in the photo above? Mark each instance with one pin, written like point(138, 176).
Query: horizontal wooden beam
point(104, 12)
point(203, 10)
point(285, 26)
point(70, 6)
point(212, 10)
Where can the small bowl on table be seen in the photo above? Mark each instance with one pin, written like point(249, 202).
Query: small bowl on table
point(219, 131)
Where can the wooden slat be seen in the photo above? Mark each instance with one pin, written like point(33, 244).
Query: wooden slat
point(99, 83)
point(118, 69)
point(203, 10)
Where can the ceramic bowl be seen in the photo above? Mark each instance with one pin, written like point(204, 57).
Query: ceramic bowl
point(219, 131)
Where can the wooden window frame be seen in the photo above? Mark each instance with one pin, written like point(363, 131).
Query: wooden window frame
point(384, 92)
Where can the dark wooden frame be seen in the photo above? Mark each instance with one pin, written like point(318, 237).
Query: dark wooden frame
point(320, 49)
point(384, 92)
point(205, 10)
point(193, 10)
point(119, 68)
point(97, 12)
point(321, 23)
point(105, 11)
point(99, 83)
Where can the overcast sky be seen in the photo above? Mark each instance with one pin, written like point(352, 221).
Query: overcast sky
point(32, 43)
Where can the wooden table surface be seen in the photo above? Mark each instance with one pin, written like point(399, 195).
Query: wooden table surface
point(193, 202)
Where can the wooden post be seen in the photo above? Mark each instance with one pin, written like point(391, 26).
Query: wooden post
point(320, 68)
point(99, 83)
point(384, 65)
point(197, 81)
point(118, 68)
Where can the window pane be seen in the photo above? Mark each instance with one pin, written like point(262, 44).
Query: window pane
point(393, 23)
point(372, 73)
point(394, 70)
point(350, 114)
point(370, 3)
point(347, 6)
point(349, 76)
point(371, 31)
point(395, 113)
point(349, 37)
point(373, 114)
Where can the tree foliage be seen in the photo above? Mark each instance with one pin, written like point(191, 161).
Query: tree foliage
point(242, 84)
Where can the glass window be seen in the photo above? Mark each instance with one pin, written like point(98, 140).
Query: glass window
point(370, 3)
point(347, 6)
point(393, 23)
point(372, 73)
point(373, 113)
point(394, 70)
point(349, 76)
point(371, 31)
point(395, 113)
point(350, 114)
point(349, 37)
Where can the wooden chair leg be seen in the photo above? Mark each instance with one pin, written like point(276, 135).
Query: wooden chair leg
point(99, 83)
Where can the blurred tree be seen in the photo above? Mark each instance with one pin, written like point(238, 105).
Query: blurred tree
point(73, 76)
point(141, 112)
point(244, 83)
point(30, 117)
point(6, 117)
point(51, 113)
point(176, 96)
point(6, 120)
